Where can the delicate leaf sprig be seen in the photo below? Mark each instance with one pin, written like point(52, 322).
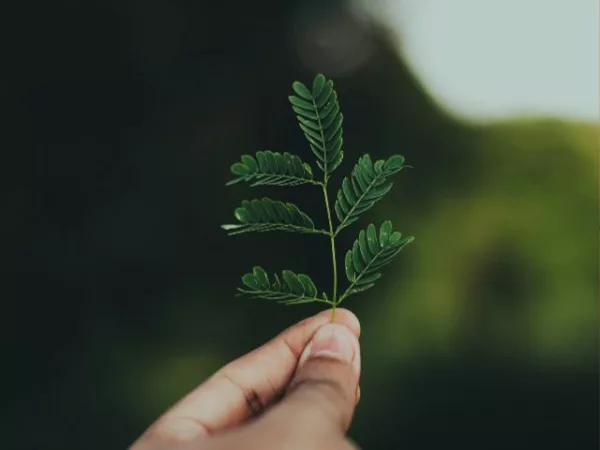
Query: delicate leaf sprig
point(271, 215)
point(271, 168)
point(370, 253)
point(366, 186)
point(319, 117)
point(290, 289)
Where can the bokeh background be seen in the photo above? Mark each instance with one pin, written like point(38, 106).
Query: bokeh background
point(123, 119)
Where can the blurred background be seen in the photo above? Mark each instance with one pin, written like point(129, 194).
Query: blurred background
point(123, 119)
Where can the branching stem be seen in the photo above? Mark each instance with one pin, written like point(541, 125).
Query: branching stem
point(320, 119)
point(333, 258)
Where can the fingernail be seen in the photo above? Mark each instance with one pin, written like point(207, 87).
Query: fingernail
point(331, 341)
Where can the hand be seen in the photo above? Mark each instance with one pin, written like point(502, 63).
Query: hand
point(298, 391)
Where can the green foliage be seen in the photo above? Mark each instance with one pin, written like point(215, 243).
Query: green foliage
point(289, 289)
point(272, 168)
point(370, 253)
point(270, 215)
point(367, 185)
point(319, 117)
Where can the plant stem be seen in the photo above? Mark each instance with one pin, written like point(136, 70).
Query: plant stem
point(331, 233)
point(333, 259)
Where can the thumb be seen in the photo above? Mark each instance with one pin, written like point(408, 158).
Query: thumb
point(323, 392)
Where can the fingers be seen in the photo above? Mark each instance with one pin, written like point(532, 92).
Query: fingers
point(245, 386)
point(323, 393)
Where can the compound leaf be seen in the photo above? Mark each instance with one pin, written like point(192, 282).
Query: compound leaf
point(273, 169)
point(264, 214)
point(369, 254)
point(289, 288)
point(319, 117)
point(365, 187)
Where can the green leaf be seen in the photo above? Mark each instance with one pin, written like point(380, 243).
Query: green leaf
point(250, 163)
point(384, 233)
point(331, 109)
point(251, 282)
point(365, 187)
point(265, 214)
point(310, 124)
point(395, 237)
point(302, 90)
point(263, 164)
point(349, 266)
point(326, 95)
point(293, 282)
point(240, 169)
point(272, 162)
point(318, 84)
point(369, 254)
point(301, 103)
point(273, 169)
point(297, 166)
point(314, 135)
point(294, 289)
point(364, 287)
point(304, 113)
point(310, 289)
point(357, 261)
point(367, 279)
point(242, 215)
point(307, 169)
point(348, 192)
point(320, 120)
point(261, 276)
point(394, 163)
point(365, 252)
point(372, 238)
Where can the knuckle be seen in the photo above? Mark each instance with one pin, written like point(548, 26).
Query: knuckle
point(332, 378)
point(325, 392)
point(251, 398)
point(331, 390)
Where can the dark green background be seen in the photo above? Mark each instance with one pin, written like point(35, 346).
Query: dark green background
point(124, 117)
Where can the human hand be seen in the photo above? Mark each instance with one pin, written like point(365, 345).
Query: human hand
point(298, 391)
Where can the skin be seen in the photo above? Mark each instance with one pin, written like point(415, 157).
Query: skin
point(298, 391)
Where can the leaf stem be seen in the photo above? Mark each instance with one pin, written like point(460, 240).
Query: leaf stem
point(235, 229)
point(331, 232)
point(282, 297)
point(333, 258)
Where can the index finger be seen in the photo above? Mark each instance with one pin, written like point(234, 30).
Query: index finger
point(245, 386)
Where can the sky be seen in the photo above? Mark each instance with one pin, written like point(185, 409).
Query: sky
point(489, 59)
